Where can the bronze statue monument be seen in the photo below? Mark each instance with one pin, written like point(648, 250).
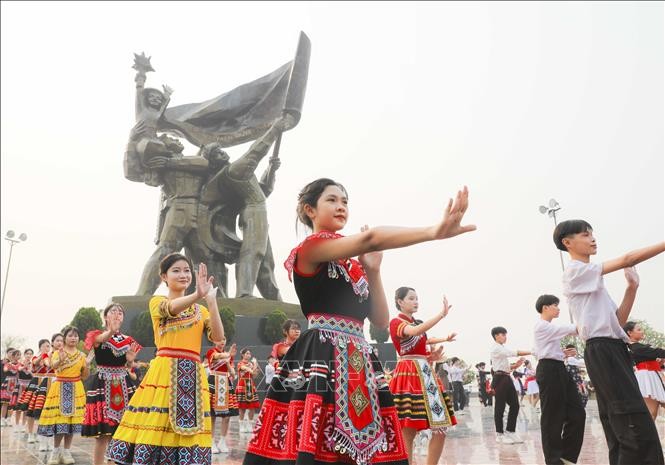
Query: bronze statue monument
point(206, 197)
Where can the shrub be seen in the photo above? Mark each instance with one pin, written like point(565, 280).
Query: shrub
point(273, 330)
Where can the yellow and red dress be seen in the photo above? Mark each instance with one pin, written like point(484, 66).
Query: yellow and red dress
point(223, 400)
point(65, 400)
point(246, 390)
point(421, 400)
point(167, 421)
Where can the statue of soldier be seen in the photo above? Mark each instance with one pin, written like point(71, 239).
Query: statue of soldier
point(236, 186)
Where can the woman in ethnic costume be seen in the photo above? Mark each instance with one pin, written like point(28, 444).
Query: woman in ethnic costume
point(46, 374)
point(330, 386)
point(248, 400)
point(421, 400)
point(24, 378)
point(9, 392)
point(39, 369)
point(223, 401)
point(648, 361)
point(291, 330)
point(109, 390)
point(167, 421)
point(62, 414)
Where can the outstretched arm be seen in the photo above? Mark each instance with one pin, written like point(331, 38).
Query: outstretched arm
point(423, 327)
point(386, 237)
point(378, 312)
point(439, 340)
point(633, 258)
point(267, 181)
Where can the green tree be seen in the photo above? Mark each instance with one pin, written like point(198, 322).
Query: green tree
point(273, 329)
point(87, 319)
point(576, 341)
point(229, 323)
point(142, 329)
point(378, 334)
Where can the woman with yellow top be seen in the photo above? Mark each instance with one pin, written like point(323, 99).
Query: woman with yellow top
point(63, 410)
point(167, 420)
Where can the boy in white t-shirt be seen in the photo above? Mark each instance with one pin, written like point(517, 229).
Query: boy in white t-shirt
point(630, 433)
point(562, 413)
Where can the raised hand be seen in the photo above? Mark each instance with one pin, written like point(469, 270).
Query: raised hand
point(446, 307)
point(371, 261)
point(632, 277)
point(233, 350)
point(436, 354)
point(450, 225)
point(203, 282)
point(451, 337)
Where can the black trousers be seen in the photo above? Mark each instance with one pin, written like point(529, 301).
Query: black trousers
point(562, 414)
point(505, 393)
point(459, 396)
point(630, 432)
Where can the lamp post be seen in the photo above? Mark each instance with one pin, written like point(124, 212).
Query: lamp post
point(10, 238)
point(551, 212)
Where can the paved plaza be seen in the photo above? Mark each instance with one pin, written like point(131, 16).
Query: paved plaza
point(472, 441)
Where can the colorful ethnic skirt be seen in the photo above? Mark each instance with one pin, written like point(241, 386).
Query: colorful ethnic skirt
point(246, 394)
point(107, 394)
point(28, 393)
point(63, 408)
point(223, 400)
point(9, 391)
point(167, 420)
point(38, 398)
point(421, 400)
point(329, 403)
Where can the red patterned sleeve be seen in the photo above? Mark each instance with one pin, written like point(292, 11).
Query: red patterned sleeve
point(209, 355)
point(290, 263)
point(397, 326)
point(90, 338)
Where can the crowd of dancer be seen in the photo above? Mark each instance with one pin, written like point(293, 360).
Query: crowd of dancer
point(329, 400)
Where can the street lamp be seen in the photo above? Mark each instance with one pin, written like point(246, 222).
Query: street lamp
point(551, 212)
point(10, 238)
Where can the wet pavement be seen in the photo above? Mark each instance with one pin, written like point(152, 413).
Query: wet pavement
point(472, 441)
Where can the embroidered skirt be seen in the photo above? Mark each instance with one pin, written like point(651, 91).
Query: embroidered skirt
point(421, 400)
point(38, 398)
point(246, 394)
point(9, 391)
point(63, 408)
point(223, 400)
point(28, 394)
point(107, 394)
point(167, 421)
point(329, 403)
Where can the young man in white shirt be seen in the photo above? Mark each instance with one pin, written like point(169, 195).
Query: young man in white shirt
point(456, 374)
point(502, 383)
point(562, 413)
point(630, 433)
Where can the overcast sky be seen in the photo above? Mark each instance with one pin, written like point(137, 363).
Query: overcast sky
point(405, 103)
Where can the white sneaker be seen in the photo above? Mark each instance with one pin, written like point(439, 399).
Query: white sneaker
point(517, 439)
point(54, 458)
point(223, 448)
point(32, 438)
point(507, 439)
point(499, 437)
point(66, 457)
point(215, 449)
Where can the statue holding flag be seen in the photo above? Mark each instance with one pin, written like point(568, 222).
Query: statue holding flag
point(205, 197)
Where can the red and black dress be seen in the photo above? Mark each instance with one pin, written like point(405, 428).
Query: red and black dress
point(421, 400)
point(246, 390)
point(108, 391)
point(43, 376)
point(223, 400)
point(329, 402)
point(9, 390)
point(24, 379)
